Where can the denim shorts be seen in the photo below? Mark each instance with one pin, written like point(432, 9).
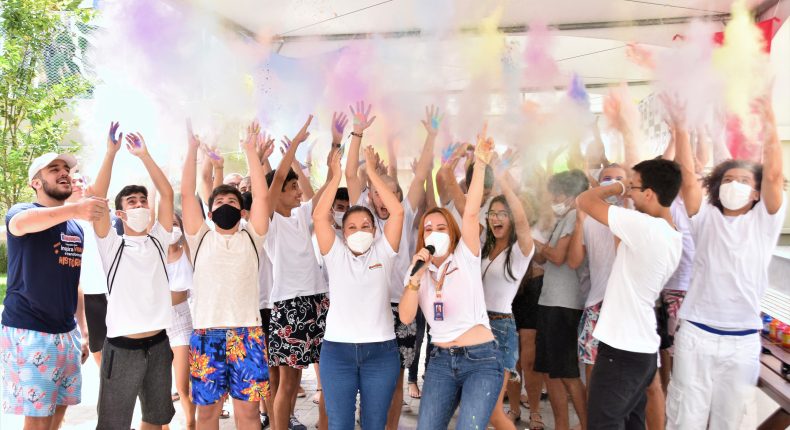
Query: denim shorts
point(504, 328)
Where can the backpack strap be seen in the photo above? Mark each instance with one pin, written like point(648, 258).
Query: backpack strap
point(194, 259)
point(254, 248)
point(114, 266)
point(161, 251)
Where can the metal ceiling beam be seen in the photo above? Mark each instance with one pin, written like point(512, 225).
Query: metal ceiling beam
point(512, 29)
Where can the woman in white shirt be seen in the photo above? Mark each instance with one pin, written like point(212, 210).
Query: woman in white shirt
point(179, 275)
point(507, 252)
point(465, 366)
point(359, 352)
point(717, 345)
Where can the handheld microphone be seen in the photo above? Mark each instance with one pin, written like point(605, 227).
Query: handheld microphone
point(418, 265)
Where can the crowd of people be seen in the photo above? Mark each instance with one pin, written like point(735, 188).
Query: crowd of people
point(584, 282)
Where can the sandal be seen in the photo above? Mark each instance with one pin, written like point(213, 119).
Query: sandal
point(414, 390)
point(317, 395)
point(225, 414)
point(515, 417)
point(175, 397)
point(300, 394)
point(524, 401)
point(536, 423)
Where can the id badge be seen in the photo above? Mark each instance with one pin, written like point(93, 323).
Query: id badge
point(438, 311)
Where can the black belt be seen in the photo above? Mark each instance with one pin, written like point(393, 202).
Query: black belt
point(142, 343)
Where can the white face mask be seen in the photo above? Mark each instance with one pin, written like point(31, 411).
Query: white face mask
point(338, 217)
point(440, 242)
point(360, 241)
point(138, 218)
point(175, 235)
point(560, 209)
point(735, 195)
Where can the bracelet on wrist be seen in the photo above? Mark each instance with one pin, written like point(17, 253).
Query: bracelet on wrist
point(359, 135)
point(412, 286)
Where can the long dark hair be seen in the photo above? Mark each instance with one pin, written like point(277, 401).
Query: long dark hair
point(488, 246)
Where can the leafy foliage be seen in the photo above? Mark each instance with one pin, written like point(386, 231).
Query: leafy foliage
point(40, 76)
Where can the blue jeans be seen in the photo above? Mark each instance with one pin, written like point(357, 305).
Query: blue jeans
point(470, 376)
point(370, 368)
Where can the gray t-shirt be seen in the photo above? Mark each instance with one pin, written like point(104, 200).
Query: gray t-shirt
point(561, 284)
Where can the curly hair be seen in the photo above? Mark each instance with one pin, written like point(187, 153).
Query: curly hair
point(712, 182)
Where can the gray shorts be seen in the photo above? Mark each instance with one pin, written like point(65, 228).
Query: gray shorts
point(132, 368)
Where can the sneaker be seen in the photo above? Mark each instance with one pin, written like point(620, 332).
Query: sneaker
point(264, 421)
point(294, 424)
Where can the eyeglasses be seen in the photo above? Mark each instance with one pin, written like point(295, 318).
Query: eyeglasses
point(637, 188)
point(498, 215)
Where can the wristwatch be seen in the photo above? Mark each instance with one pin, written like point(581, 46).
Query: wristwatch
point(413, 287)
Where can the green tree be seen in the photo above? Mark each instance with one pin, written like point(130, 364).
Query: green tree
point(42, 44)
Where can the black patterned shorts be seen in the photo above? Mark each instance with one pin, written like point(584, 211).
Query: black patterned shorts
point(406, 336)
point(296, 330)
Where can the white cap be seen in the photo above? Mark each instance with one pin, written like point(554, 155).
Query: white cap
point(44, 160)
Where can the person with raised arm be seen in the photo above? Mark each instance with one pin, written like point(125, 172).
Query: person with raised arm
point(466, 365)
point(648, 252)
point(506, 254)
point(136, 355)
point(299, 300)
point(735, 230)
point(227, 346)
point(359, 351)
point(44, 257)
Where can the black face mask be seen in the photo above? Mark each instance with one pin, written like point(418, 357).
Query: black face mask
point(226, 216)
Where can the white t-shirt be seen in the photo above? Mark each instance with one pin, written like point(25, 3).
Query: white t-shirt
point(403, 258)
point(139, 294)
point(179, 273)
point(225, 280)
point(265, 281)
point(360, 310)
point(500, 288)
point(598, 243)
point(731, 266)
point(290, 248)
point(462, 295)
point(648, 254)
point(682, 277)
point(92, 277)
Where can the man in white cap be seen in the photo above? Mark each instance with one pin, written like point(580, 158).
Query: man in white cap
point(41, 348)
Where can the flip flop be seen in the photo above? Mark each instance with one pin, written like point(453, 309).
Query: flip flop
point(317, 396)
point(301, 394)
point(416, 389)
point(225, 414)
point(175, 397)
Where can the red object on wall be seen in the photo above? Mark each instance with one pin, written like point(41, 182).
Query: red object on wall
point(768, 28)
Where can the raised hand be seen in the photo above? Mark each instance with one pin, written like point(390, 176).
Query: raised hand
point(302, 135)
point(339, 121)
point(484, 151)
point(136, 145)
point(113, 141)
point(505, 162)
point(372, 160)
point(192, 138)
point(432, 120)
point(675, 111)
point(335, 171)
point(361, 116)
point(250, 142)
point(264, 146)
point(215, 157)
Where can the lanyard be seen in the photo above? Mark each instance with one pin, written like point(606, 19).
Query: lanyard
point(440, 282)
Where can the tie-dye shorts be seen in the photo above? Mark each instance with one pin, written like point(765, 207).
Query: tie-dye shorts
point(228, 360)
point(39, 371)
